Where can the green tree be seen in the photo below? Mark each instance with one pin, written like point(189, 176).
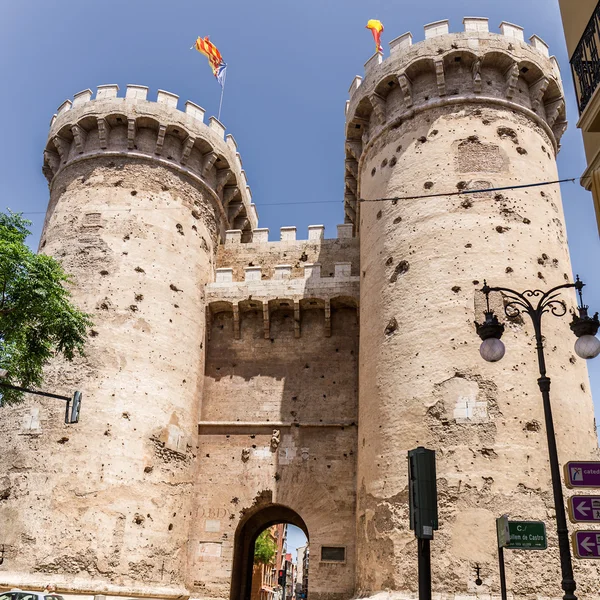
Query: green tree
point(37, 319)
point(264, 548)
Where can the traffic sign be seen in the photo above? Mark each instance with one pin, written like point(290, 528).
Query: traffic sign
point(586, 544)
point(522, 535)
point(584, 509)
point(583, 474)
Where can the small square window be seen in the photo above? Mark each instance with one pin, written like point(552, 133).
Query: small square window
point(333, 553)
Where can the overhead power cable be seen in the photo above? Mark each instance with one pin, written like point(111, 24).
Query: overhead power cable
point(473, 191)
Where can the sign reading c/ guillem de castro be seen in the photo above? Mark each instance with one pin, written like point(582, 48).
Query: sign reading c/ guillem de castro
point(522, 535)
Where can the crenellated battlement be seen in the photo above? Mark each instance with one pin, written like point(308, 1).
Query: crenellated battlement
point(109, 125)
point(472, 66)
point(287, 234)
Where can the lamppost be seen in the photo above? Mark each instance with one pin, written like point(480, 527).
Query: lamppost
point(536, 303)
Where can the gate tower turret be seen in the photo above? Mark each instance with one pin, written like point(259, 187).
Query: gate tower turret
point(468, 110)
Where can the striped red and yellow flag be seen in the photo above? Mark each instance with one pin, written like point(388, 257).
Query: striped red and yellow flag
point(376, 28)
point(206, 47)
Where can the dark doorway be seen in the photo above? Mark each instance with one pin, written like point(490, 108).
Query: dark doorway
point(248, 530)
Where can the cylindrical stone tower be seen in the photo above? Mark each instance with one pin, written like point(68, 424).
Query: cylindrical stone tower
point(469, 110)
point(140, 195)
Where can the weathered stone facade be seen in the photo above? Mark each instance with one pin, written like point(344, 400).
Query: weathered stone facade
point(226, 387)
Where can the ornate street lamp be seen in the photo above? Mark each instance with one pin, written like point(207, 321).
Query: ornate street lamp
point(535, 303)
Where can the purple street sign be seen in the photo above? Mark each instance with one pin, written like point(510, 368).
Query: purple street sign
point(582, 474)
point(586, 544)
point(584, 509)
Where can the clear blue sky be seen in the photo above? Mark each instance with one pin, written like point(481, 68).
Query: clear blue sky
point(290, 66)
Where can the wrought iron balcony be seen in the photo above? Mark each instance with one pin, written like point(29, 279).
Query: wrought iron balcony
point(585, 62)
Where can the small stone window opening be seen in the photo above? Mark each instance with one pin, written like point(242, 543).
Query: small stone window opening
point(333, 554)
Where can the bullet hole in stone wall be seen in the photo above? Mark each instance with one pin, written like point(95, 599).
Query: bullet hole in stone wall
point(399, 148)
point(488, 452)
point(390, 328)
point(422, 139)
point(428, 185)
point(194, 228)
point(521, 150)
point(133, 308)
point(170, 528)
point(384, 163)
point(466, 203)
point(62, 440)
point(373, 171)
point(138, 519)
point(393, 161)
point(397, 220)
point(5, 488)
point(461, 185)
point(179, 228)
point(473, 138)
point(379, 215)
point(434, 132)
point(174, 288)
point(456, 289)
point(507, 132)
point(93, 333)
point(139, 270)
point(543, 194)
point(388, 263)
point(540, 276)
point(303, 257)
point(475, 281)
point(485, 121)
point(468, 245)
point(164, 188)
point(105, 304)
point(526, 221)
point(195, 214)
point(126, 415)
point(148, 469)
point(118, 183)
point(133, 192)
point(572, 360)
point(139, 297)
point(103, 273)
point(508, 270)
point(582, 387)
point(126, 237)
point(501, 229)
point(532, 426)
point(401, 268)
point(498, 197)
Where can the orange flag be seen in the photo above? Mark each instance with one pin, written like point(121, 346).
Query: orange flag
point(376, 28)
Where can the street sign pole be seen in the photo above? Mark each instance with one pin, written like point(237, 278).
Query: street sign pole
point(424, 569)
point(502, 572)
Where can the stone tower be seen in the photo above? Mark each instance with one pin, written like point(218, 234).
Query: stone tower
point(141, 193)
point(469, 110)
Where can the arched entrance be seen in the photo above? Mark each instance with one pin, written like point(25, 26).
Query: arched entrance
point(245, 537)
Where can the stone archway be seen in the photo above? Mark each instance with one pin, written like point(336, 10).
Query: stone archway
point(245, 537)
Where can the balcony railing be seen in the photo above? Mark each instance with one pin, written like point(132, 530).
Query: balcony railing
point(585, 62)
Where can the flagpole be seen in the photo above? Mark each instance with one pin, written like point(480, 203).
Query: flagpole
point(221, 101)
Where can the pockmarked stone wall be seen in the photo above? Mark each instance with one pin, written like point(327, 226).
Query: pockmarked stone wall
point(140, 195)
point(464, 111)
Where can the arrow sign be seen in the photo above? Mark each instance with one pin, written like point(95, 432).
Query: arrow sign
point(582, 474)
point(584, 509)
point(586, 544)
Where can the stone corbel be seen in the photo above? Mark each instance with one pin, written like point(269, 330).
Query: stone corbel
point(378, 104)
point(236, 321)
point(266, 321)
point(536, 92)
point(512, 78)
point(235, 208)
point(406, 87)
point(440, 76)
point(354, 148)
point(186, 149)
point(223, 177)
point(103, 132)
point(62, 147)
point(160, 139)
point(350, 213)
point(352, 167)
point(79, 137)
point(476, 70)
point(554, 110)
point(327, 317)
point(351, 184)
point(209, 160)
point(559, 129)
point(51, 161)
point(229, 193)
point(296, 318)
point(130, 133)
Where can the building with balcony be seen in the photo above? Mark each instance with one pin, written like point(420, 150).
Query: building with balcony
point(581, 22)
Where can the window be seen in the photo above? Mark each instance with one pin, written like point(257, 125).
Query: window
point(333, 553)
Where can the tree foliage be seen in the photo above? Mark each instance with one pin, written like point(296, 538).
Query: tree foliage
point(37, 319)
point(264, 548)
